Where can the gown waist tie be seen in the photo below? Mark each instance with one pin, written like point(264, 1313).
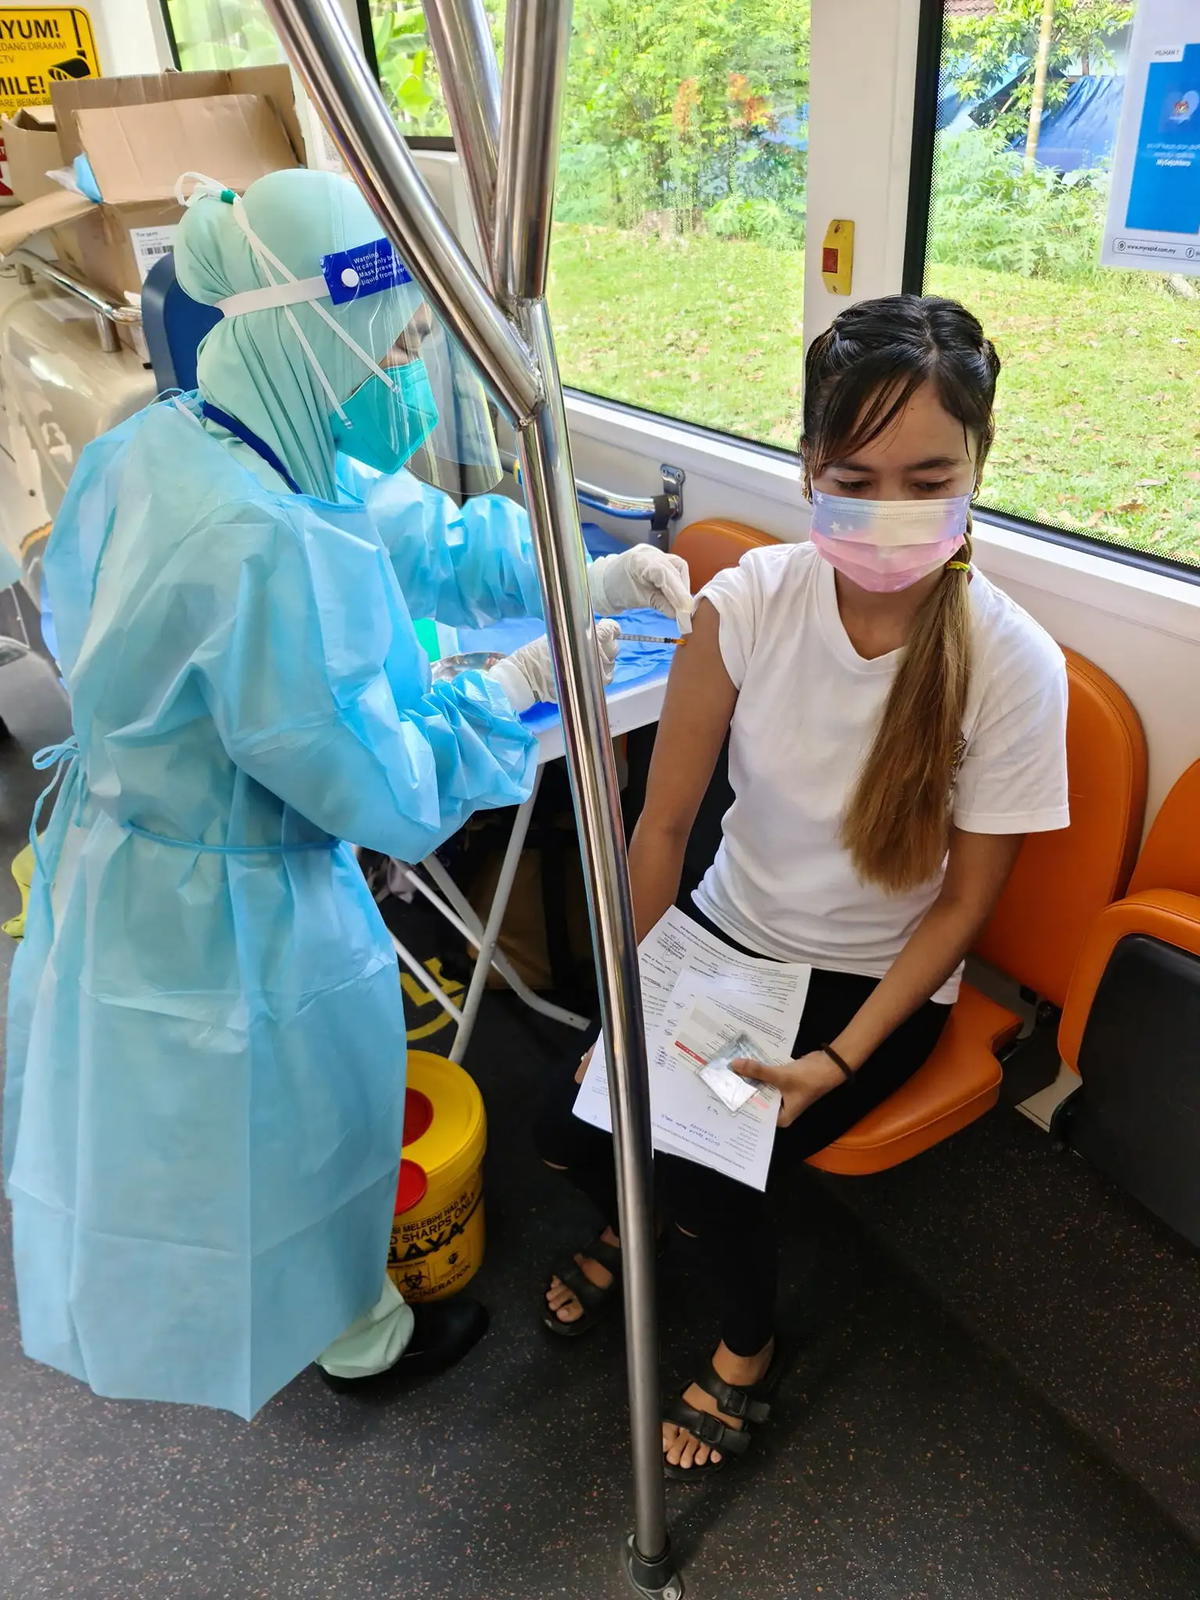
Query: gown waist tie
point(64, 758)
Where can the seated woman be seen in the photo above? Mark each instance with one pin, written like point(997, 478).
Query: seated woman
point(896, 724)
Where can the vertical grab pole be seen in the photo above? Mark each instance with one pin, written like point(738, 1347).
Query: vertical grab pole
point(462, 43)
point(514, 349)
point(554, 509)
point(337, 78)
point(536, 39)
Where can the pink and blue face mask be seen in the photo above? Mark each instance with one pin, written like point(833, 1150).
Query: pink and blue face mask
point(887, 545)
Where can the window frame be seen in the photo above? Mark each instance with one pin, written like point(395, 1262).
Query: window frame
point(168, 22)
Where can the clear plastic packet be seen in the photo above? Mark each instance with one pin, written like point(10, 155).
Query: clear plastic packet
point(732, 1091)
point(450, 667)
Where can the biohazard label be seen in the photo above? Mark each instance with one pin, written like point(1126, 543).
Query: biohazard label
point(435, 1254)
point(39, 46)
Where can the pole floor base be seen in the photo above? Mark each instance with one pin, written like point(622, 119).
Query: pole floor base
point(656, 1580)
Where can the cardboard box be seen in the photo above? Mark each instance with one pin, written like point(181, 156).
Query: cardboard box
point(140, 134)
point(30, 140)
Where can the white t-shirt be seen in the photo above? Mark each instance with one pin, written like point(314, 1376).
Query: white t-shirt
point(807, 709)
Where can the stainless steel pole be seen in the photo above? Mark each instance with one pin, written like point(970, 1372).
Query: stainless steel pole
point(536, 39)
point(517, 354)
point(336, 76)
point(462, 42)
point(537, 34)
point(554, 512)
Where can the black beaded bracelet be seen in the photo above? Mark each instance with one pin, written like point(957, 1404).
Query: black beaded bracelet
point(847, 1071)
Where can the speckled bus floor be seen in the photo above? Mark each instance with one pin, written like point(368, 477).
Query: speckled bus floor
point(917, 1455)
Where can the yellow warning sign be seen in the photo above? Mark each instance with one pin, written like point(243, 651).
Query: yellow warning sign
point(39, 46)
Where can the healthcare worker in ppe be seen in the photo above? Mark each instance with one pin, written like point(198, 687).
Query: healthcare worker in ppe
point(204, 1102)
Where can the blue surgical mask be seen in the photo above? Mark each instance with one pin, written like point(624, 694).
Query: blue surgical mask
point(384, 427)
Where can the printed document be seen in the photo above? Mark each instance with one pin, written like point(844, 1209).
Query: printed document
point(698, 994)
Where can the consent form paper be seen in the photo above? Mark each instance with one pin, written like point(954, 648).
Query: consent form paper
point(697, 993)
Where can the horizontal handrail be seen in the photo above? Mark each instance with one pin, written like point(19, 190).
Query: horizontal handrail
point(660, 509)
point(108, 312)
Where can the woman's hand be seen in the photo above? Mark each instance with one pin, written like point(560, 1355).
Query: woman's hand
point(584, 1060)
point(801, 1083)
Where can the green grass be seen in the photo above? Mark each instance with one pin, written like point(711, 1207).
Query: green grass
point(695, 327)
point(1098, 416)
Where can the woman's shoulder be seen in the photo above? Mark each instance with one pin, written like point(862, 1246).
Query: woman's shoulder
point(1010, 646)
point(767, 571)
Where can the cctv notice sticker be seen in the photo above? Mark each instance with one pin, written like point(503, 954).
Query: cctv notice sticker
point(39, 46)
point(1154, 207)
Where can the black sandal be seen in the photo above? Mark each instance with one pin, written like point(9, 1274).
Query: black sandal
point(749, 1405)
point(597, 1304)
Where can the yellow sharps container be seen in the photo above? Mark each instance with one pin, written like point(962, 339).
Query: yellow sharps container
point(437, 1231)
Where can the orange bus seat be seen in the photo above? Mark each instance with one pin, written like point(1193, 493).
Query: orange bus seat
point(1061, 883)
point(709, 547)
point(1170, 857)
point(959, 1082)
point(1163, 903)
point(1171, 916)
point(1128, 1028)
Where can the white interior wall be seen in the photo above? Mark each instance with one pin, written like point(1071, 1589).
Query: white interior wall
point(860, 118)
point(130, 36)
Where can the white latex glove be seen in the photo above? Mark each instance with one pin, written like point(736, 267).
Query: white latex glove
point(527, 676)
point(643, 576)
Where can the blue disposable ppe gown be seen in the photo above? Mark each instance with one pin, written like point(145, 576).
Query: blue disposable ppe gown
point(203, 1110)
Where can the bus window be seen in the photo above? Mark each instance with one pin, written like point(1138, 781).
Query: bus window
point(1100, 393)
point(679, 256)
point(216, 35)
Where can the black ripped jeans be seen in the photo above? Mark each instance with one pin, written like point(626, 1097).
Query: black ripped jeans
point(732, 1222)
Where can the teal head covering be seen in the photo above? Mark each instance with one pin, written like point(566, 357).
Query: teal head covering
point(254, 366)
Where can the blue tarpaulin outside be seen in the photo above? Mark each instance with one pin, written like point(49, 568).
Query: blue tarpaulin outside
point(1078, 133)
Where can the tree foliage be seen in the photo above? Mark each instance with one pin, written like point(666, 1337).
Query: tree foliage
point(990, 211)
point(677, 107)
point(213, 35)
point(980, 54)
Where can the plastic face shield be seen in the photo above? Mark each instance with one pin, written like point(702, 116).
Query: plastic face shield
point(461, 454)
point(425, 408)
point(401, 391)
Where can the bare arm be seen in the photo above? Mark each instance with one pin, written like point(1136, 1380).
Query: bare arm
point(695, 719)
point(977, 870)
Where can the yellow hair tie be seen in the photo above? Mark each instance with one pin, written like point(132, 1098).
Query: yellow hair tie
point(958, 566)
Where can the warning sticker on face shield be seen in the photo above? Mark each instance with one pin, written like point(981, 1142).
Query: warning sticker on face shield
point(369, 269)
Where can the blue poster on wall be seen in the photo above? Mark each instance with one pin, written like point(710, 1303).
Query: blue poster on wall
point(1154, 210)
point(1164, 193)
